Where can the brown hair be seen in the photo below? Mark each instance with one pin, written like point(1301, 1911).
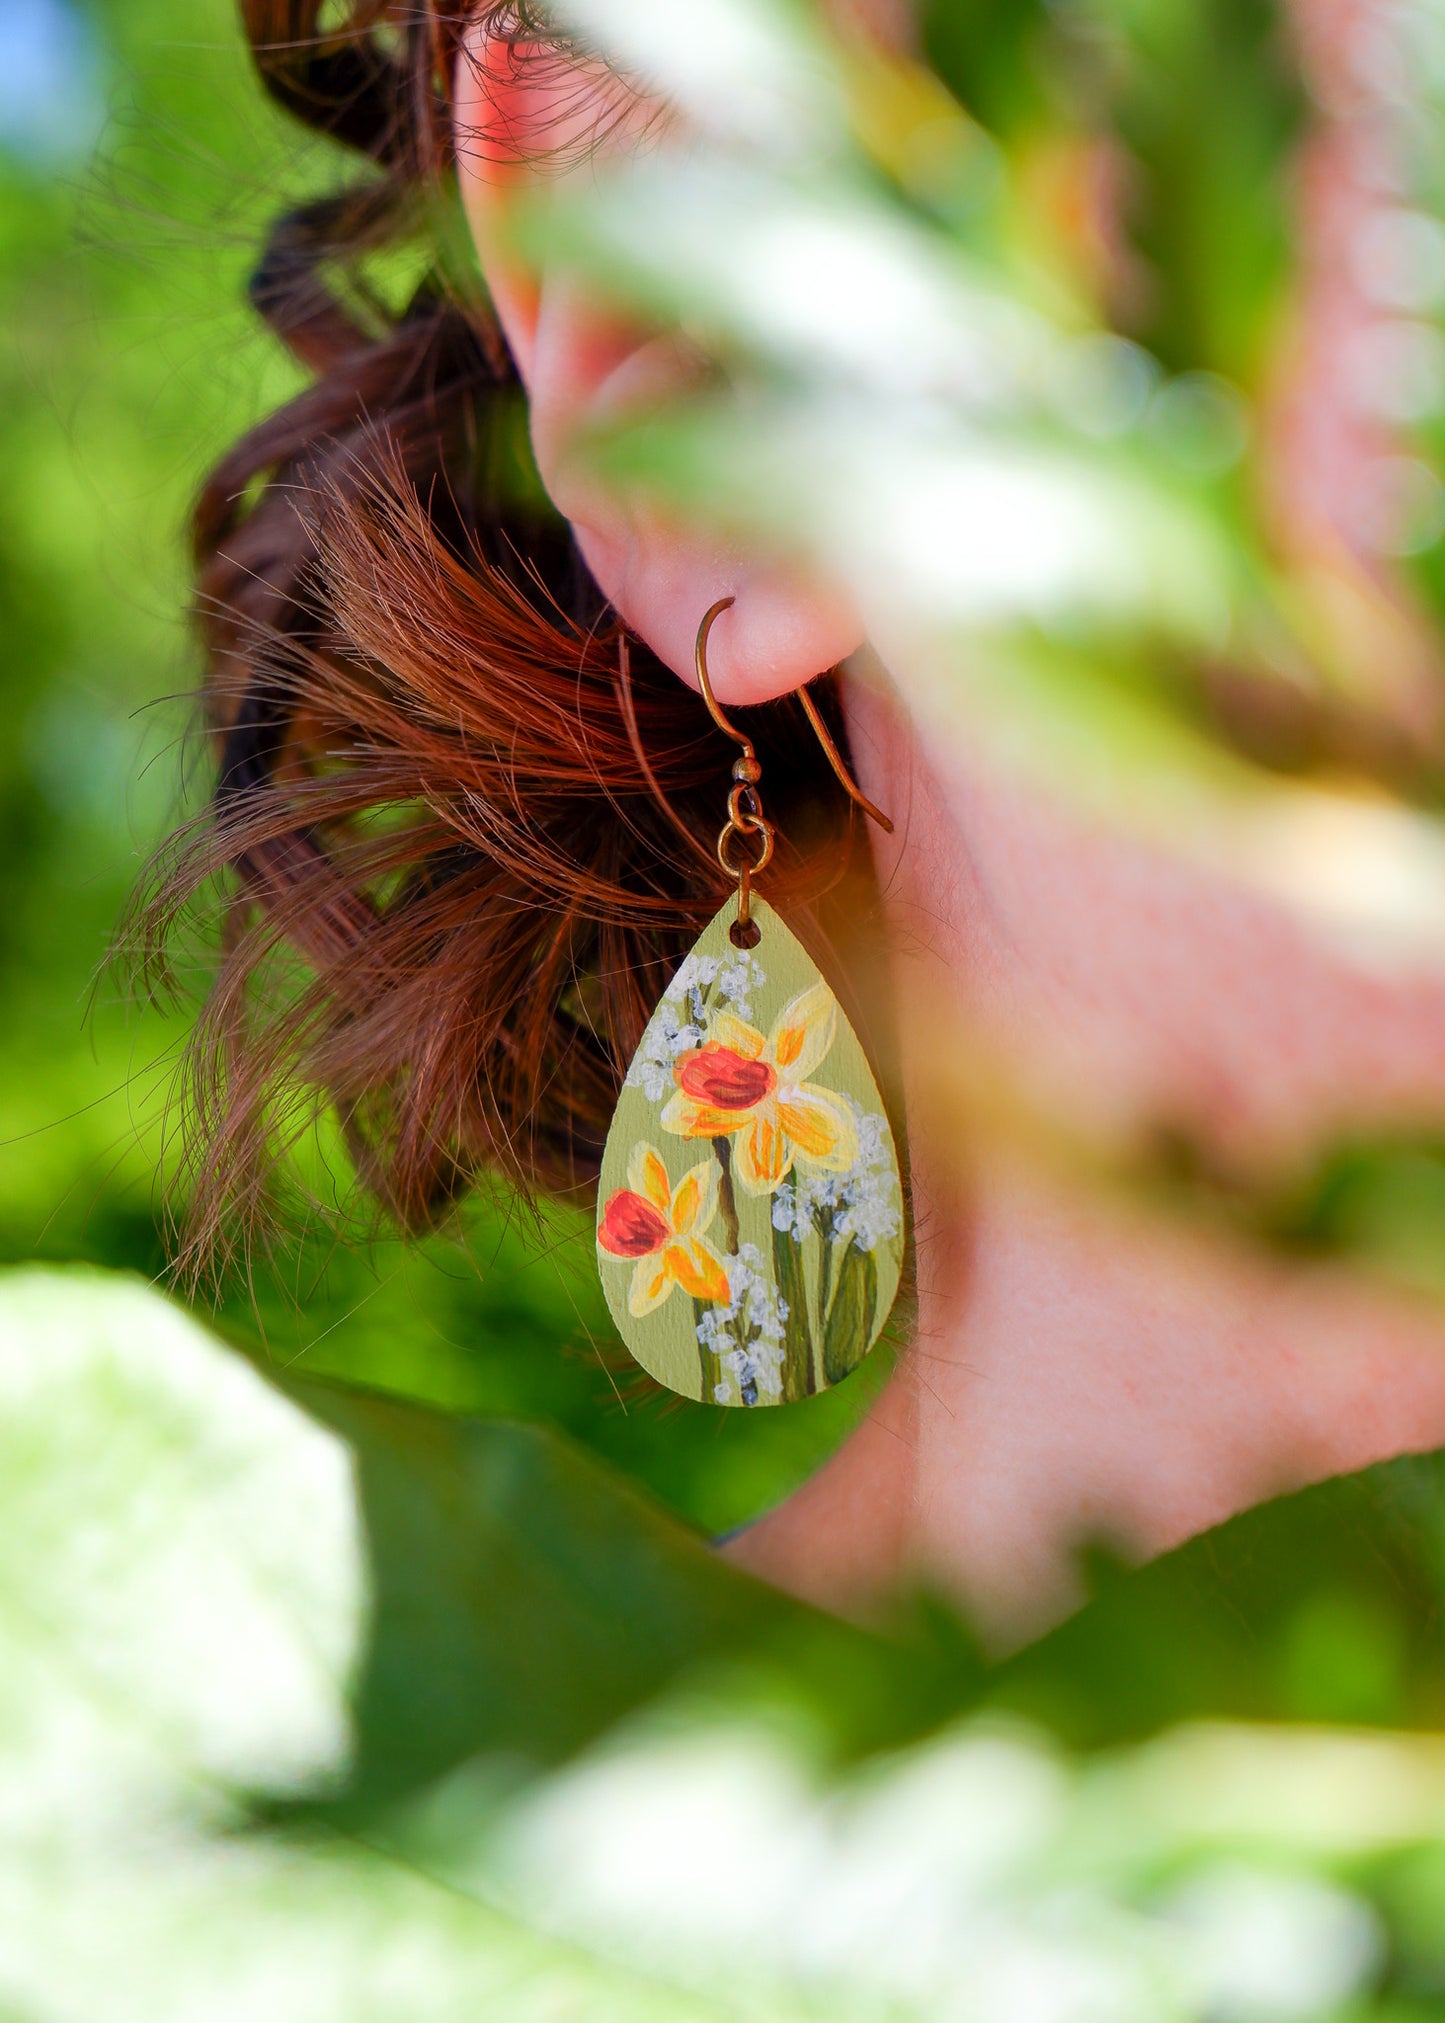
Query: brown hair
point(464, 827)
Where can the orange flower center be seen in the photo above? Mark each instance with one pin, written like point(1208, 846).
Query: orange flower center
point(723, 1079)
point(632, 1227)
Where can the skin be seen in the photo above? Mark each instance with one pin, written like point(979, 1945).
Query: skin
point(1080, 1365)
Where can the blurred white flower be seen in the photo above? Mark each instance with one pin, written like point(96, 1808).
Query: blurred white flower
point(1268, 1947)
point(737, 68)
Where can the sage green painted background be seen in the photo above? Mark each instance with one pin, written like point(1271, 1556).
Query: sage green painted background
point(664, 1341)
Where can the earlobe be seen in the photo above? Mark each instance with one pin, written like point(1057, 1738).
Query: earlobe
point(517, 120)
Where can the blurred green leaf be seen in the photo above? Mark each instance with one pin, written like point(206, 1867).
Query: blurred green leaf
point(1042, 446)
point(488, 1584)
point(272, 1676)
point(523, 1600)
point(198, 1578)
point(1321, 1606)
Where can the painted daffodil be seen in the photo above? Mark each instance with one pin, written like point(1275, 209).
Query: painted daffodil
point(755, 1091)
point(662, 1227)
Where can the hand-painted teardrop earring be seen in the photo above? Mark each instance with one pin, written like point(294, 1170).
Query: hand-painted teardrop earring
point(750, 1212)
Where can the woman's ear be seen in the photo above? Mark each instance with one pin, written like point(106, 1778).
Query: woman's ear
point(521, 116)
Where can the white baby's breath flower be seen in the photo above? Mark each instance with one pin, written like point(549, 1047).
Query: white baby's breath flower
point(737, 983)
point(747, 1334)
point(696, 972)
point(860, 1206)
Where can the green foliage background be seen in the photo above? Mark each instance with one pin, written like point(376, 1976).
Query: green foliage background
point(463, 1561)
point(130, 362)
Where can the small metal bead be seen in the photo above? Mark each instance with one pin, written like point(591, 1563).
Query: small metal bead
point(748, 770)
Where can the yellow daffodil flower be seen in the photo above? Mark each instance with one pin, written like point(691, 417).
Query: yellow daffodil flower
point(755, 1091)
point(662, 1227)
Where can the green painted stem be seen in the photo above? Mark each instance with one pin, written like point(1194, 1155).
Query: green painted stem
point(800, 1377)
point(727, 1199)
point(707, 1359)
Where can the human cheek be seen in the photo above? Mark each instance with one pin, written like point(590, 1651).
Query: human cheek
point(522, 126)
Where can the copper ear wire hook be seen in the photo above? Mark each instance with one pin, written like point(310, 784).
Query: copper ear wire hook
point(835, 760)
point(745, 807)
point(704, 682)
point(830, 750)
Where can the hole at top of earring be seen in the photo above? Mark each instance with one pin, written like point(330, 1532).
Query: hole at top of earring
point(745, 934)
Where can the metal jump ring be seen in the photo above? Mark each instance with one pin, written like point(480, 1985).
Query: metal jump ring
point(745, 810)
point(760, 827)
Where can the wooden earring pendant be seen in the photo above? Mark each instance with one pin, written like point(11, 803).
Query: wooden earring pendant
point(750, 1212)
